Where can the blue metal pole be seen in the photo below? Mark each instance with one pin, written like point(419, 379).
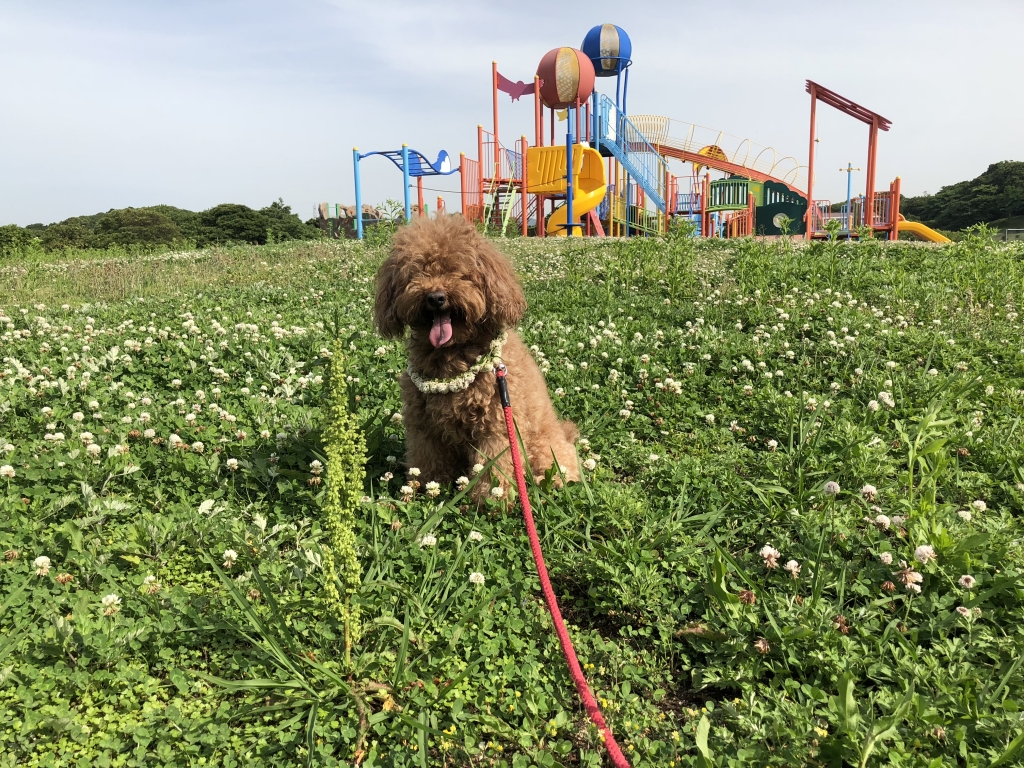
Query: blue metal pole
point(359, 195)
point(405, 180)
point(625, 89)
point(569, 219)
point(849, 195)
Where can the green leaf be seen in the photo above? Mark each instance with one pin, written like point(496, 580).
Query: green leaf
point(849, 713)
point(701, 738)
point(1015, 747)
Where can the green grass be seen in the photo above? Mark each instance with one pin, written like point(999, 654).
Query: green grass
point(721, 387)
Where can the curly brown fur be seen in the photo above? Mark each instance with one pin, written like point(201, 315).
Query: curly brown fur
point(443, 279)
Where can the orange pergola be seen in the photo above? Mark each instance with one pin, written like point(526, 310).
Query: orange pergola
point(875, 122)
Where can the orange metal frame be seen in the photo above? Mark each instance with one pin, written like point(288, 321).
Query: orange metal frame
point(720, 165)
point(875, 124)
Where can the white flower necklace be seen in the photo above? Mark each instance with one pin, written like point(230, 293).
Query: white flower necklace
point(461, 382)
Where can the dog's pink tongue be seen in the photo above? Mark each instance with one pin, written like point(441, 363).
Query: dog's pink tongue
point(441, 332)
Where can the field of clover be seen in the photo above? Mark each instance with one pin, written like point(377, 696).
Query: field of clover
point(798, 541)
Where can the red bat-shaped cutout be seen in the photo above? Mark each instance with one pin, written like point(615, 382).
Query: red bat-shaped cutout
point(516, 89)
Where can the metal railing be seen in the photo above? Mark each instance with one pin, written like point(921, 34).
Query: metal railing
point(627, 144)
point(690, 137)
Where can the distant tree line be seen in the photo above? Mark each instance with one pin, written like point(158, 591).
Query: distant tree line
point(162, 225)
point(995, 195)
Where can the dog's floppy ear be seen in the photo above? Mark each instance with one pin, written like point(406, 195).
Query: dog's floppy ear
point(506, 303)
point(385, 309)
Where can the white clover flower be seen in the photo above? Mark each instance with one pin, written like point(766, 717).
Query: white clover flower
point(433, 489)
point(198, 447)
point(461, 483)
point(396, 418)
point(967, 581)
point(477, 469)
point(773, 445)
point(873, 406)
point(793, 569)
point(965, 515)
point(232, 465)
point(886, 399)
point(831, 488)
point(979, 505)
point(869, 492)
point(886, 558)
point(770, 555)
point(265, 434)
point(230, 558)
point(497, 491)
point(42, 565)
point(590, 465)
point(883, 522)
point(176, 383)
point(173, 440)
point(924, 554)
point(653, 458)
point(94, 405)
point(428, 541)
point(7, 448)
point(7, 471)
point(476, 536)
point(316, 467)
point(476, 578)
point(709, 418)
point(111, 604)
point(78, 416)
point(414, 472)
point(93, 450)
point(963, 611)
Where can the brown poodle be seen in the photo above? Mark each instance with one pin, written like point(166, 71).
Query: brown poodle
point(460, 298)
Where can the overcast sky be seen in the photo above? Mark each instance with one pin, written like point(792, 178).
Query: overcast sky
point(193, 103)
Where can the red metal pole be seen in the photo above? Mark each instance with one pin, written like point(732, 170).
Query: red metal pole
point(705, 219)
point(524, 200)
point(480, 166)
point(538, 114)
point(440, 206)
point(869, 192)
point(494, 89)
point(462, 182)
point(810, 165)
point(419, 195)
point(894, 209)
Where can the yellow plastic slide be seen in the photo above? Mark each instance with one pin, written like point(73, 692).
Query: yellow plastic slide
point(545, 175)
point(925, 233)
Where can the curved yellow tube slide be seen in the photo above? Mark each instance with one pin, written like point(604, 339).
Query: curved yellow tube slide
point(545, 175)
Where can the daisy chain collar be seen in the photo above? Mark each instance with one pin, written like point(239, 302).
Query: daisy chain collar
point(461, 382)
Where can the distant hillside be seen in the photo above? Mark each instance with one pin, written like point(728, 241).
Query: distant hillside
point(161, 226)
point(996, 195)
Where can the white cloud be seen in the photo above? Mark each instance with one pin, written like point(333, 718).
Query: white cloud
point(196, 103)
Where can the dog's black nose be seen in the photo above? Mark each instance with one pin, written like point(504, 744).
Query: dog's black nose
point(436, 299)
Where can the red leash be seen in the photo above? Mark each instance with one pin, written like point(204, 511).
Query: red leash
point(589, 703)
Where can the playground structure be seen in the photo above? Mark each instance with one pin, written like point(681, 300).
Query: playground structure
point(412, 164)
point(621, 183)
